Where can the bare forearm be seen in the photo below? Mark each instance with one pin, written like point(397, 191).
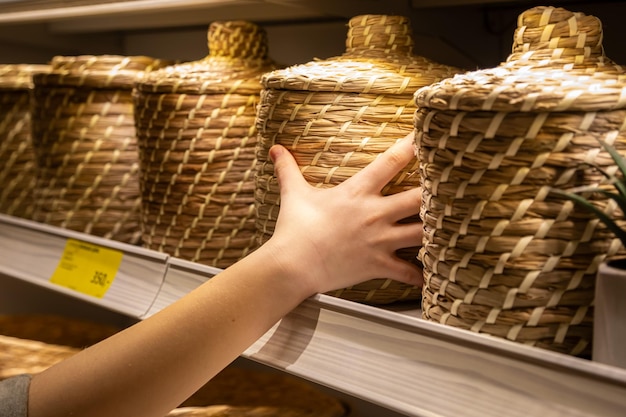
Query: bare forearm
point(325, 239)
point(156, 364)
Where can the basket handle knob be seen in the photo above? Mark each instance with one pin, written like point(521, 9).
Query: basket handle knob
point(382, 34)
point(552, 36)
point(237, 39)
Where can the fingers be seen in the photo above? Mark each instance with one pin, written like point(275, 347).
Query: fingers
point(286, 169)
point(404, 204)
point(404, 271)
point(380, 171)
point(407, 235)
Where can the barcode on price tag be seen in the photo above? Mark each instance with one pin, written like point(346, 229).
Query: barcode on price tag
point(87, 268)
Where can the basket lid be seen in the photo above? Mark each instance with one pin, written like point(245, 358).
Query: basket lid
point(557, 63)
point(238, 56)
point(98, 71)
point(19, 76)
point(378, 59)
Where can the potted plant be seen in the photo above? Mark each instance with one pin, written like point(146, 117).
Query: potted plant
point(609, 332)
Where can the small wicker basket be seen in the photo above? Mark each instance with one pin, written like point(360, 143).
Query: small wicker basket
point(197, 138)
point(85, 145)
point(503, 255)
point(242, 392)
point(30, 343)
point(23, 356)
point(17, 172)
point(337, 115)
point(242, 411)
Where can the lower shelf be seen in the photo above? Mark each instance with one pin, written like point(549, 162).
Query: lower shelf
point(390, 359)
point(19, 297)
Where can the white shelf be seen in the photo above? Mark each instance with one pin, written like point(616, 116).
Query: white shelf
point(392, 359)
point(96, 15)
point(31, 252)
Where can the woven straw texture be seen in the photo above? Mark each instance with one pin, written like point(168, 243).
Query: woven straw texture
point(248, 392)
point(17, 172)
point(197, 136)
point(86, 149)
point(21, 356)
point(30, 343)
point(337, 115)
point(503, 255)
point(55, 329)
point(240, 411)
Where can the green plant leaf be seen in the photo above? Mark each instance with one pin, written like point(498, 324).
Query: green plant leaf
point(618, 198)
point(617, 157)
point(604, 218)
point(621, 164)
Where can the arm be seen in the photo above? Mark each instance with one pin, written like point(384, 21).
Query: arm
point(325, 239)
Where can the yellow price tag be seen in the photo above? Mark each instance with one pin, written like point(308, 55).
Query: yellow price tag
point(87, 268)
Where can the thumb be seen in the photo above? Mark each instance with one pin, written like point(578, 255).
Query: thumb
point(286, 169)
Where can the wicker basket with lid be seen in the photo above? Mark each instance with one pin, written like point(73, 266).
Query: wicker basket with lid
point(337, 115)
point(17, 173)
point(197, 138)
point(503, 255)
point(85, 145)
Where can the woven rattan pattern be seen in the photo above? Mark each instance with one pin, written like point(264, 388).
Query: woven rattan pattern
point(256, 391)
point(85, 145)
point(30, 343)
point(17, 173)
point(55, 329)
point(337, 115)
point(21, 356)
point(241, 411)
point(196, 130)
point(503, 255)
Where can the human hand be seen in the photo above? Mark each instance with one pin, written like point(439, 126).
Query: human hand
point(337, 237)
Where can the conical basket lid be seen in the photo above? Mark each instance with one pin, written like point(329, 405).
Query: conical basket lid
point(19, 76)
point(557, 64)
point(98, 71)
point(378, 60)
point(238, 56)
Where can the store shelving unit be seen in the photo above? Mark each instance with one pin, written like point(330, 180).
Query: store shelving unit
point(103, 14)
point(389, 357)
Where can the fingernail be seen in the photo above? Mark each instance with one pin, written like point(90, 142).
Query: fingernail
point(274, 152)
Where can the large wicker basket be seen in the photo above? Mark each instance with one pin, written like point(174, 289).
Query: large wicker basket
point(84, 140)
point(503, 254)
point(337, 115)
point(197, 138)
point(17, 171)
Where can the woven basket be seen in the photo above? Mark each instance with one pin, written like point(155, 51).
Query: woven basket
point(503, 255)
point(30, 343)
point(22, 356)
point(17, 172)
point(197, 138)
point(55, 329)
point(240, 411)
point(248, 392)
point(84, 140)
point(337, 115)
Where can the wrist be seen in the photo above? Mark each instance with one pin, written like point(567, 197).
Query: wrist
point(283, 261)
